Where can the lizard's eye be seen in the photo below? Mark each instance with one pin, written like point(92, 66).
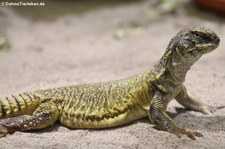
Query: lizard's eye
point(197, 35)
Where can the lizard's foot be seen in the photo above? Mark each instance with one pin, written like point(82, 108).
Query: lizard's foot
point(45, 115)
point(3, 131)
point(206, 110)
point(191, 134)
point(9, 125)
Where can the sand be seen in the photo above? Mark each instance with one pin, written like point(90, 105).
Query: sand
point(79, 48)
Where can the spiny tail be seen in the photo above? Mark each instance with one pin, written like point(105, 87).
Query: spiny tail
point(20, 104)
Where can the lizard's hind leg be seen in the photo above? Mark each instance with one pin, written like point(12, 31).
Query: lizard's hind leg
point(45, 115)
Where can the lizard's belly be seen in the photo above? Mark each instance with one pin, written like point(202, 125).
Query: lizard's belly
point(101, 118)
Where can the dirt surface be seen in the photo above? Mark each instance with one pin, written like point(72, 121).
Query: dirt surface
point(82, 48)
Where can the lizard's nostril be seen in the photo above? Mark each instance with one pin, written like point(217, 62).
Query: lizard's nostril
point(216, 39)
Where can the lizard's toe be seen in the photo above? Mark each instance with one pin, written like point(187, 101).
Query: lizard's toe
point(207, 111)
point(191, 134)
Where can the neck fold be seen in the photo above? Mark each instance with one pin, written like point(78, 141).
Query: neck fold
point(175, 66)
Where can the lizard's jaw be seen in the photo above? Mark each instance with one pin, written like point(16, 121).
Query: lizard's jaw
point(206, 48)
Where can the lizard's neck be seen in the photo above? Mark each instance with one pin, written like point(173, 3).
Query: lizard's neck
point(176, 67)
point(170, 68)
point(178, 71)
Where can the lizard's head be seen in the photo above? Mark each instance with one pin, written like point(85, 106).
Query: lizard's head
point(189, 45)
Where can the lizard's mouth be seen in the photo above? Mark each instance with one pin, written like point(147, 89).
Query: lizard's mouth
point(206, 48)
point(201, 49)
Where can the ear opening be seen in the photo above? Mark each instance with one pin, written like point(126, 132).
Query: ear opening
point(168, 55)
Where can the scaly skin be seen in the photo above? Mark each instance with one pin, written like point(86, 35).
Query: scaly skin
point(115, 103)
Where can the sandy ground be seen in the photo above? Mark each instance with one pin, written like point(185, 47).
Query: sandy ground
point(81, 48)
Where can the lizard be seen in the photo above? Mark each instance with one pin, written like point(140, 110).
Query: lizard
point(111, 104)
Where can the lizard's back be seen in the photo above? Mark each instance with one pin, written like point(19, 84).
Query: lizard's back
point(97, 105)
point(103, 105)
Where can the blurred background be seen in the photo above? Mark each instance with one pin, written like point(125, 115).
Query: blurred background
point(68, 42)
point(39, 42)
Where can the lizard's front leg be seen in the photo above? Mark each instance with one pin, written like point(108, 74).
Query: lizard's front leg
point(158, 116)
point(45, 115)
point(192, 103)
